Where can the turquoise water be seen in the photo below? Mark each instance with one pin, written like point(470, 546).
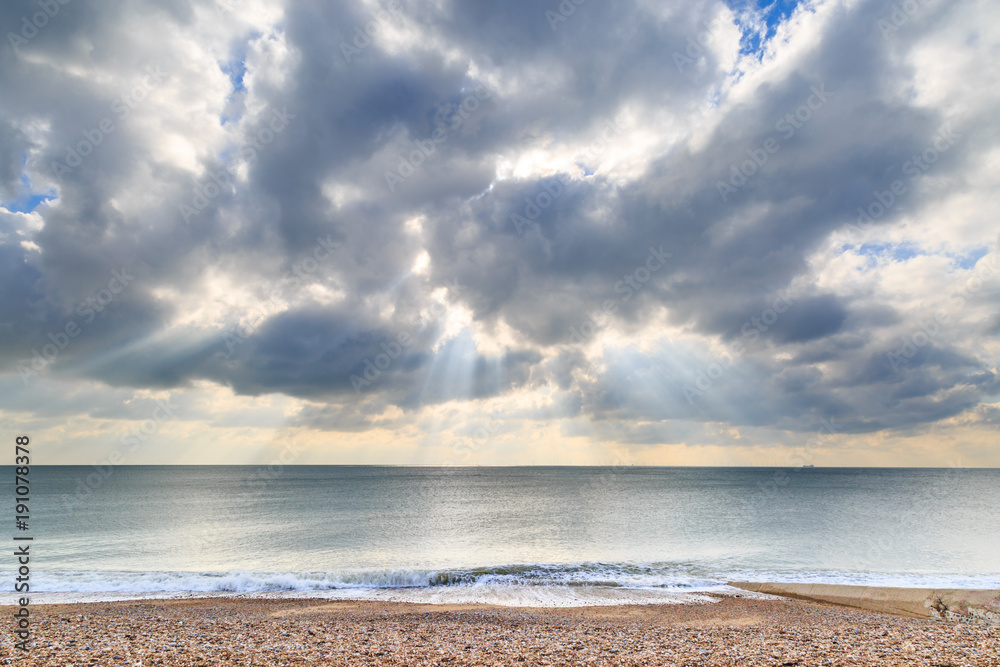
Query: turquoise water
point(554, 535)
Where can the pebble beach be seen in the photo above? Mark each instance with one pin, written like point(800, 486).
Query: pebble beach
point(277, 632)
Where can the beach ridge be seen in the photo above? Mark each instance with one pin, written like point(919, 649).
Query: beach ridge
point(740, 630)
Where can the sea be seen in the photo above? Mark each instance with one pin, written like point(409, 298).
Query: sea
point(518, 536)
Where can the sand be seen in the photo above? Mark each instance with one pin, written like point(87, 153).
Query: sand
point(955, 604)
point(733, 631)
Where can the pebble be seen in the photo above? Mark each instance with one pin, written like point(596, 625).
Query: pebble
point(733, 631)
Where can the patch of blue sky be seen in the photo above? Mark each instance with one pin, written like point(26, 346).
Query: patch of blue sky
point(236, 70)
point(714, 99)
point(762, 18)
point(968, 260)
point(879, 253)
point(901, 252)
point(27, 200)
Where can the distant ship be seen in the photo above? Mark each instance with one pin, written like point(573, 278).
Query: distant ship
point(809, 466)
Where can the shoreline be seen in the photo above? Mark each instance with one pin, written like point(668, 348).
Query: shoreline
point(954, 604)
point(912, 601)
point(751, 630)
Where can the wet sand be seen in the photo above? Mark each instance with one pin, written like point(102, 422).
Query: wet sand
point(955, 604)
point(732, 631)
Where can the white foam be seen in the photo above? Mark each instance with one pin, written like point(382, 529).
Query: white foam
point(527, 596)
point(505, 596)
point(517, 585)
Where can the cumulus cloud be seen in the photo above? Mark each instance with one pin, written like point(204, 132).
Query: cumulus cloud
point(638, 224)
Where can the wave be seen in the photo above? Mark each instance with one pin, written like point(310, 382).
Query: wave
point(587, 574)
point(516, 585)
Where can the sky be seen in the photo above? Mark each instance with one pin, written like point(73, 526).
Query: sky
point(510, 232)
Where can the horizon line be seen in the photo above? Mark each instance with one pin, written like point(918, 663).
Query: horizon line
point(496, 465)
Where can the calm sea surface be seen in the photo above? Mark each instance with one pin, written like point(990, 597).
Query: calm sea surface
point(553, 535)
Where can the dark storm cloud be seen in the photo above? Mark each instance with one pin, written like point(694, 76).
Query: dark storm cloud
point(13, 147)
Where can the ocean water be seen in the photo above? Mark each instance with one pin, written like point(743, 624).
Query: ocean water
point(537, 536)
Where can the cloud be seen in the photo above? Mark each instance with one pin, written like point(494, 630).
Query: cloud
point(636, 221)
